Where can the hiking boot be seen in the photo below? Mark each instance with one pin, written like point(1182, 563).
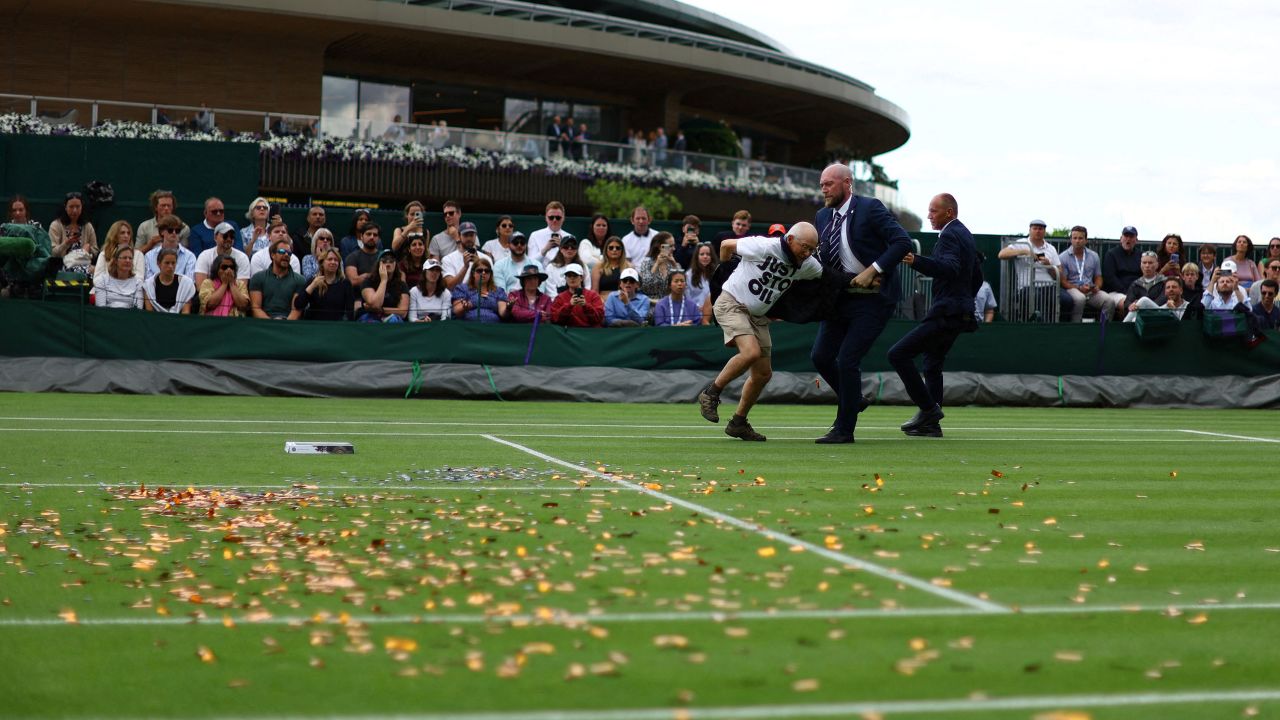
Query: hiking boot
point(708, 402)
point(743, 431)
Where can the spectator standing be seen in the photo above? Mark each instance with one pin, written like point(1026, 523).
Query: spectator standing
point(170, 226)
point(447, 240)
point(430, 301)
point(506, 271)
point(628, 307)
point(1121, 266)
point(201, 235)
point(690, 229)
point(1082, 277)
point(529, 303)
point(352, 241)
point(660, 147)
point(255, 235)
point(224, 236)
point(605, 275)
point(119, 235)
point(302, 239)
point(167, 291)
point(1246, 269)
point(119, 288)
point(222, 293)
point(72, 237)
point(577, 306)
point(676, 308)
point(162, 203)
point(384, 295)
point(479, 299)
point(271, 291)
point(657, 266)
point(637, 241)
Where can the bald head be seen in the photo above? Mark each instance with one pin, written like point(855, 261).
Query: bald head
point(802, 239)
point(836, 185)
point(942, 210)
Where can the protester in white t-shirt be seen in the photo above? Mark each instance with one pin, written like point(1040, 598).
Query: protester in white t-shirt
point(767, 269)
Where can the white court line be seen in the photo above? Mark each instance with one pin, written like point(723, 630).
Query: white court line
point(897, 437)
point(1227, 435)
point(322, 488)
point(557, 617)
point(866, 566)
point(845, 709)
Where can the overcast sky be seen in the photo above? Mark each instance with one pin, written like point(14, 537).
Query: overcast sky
point(1164, 114)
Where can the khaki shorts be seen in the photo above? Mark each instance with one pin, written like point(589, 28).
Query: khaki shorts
point(735, 321)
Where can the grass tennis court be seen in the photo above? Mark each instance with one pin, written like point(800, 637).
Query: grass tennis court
point(163, 557)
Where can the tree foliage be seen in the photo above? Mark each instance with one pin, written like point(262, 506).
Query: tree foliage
point(618, 199)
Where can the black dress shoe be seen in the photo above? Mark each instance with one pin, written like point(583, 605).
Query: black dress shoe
point(934, 430)
point(835, 437)
point(933, 416)
point(864, 402)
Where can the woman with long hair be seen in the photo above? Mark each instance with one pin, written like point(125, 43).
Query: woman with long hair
point(72, 237)
point(351, 241)
point(500, 246)
point(656, 268)
point(385, 296)
point(606, 273)
point(599, 233)
point(430, 300)
point(702, 269)
point(413, 227)
point(222, 294)
point(254, 236)
point(321, 242)
point(412, 257)
point(119, 288)
point(479, 299)
point(1170, 255)
point(1247, 272)
point(118, 235)
point(566, 254)
point(20, 211)
point(328, 295)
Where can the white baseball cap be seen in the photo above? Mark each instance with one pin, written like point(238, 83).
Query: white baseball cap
point(1228, 267)
point(576, 269)
point(630, 274)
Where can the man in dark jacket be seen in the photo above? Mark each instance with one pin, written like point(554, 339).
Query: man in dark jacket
point(956, 279)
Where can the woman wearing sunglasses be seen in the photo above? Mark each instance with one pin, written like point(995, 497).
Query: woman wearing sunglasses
point(479, 299)
point(606, 273)
point(222, 293)
point(500, 246)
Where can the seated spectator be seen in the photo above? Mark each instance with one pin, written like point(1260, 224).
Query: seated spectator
point(447, 240)
point(321, 243)
point(690, 229)
point(1270, 271)
point(412, 258)
point(255, 235)
point(704, 268)
point(1208, 263)
point(506, 271)
point(1170, 256)
point(167, 291)
point(677, 308)
point(1082, 277)
point(170, 226)
point(1273, 253)
point(223, 293)
point(528, 304)
point(577, 306)
point(360, 264)
point(385, 295)
point(1121, 266)
point(118, 235)
point(430, 300)
point(413, 227)
point(20, 212)
point(561, 259)
point(657, 266)
point(1041, 276)
point(777, 230)
point(352, 241)
point(607, 272)
point(1247, 271)
point(1173, 301)
point(304, 238)
point(162, 203)
point(500, 246)
point(591, 247)
point(120, 287)
point(1266, 310)
point(460, 263)
point(271, 291)
point(479, 299)
point(1150, 284)
point(1191, 287)
point(628, 307)
point(328, 294)
point(1224, 292)
point(261, 259)
point(224, 243)
point(72, 237)
point(984, 304)
point(201, 237)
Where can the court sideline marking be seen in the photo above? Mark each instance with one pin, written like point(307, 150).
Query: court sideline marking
point(1228, 435)
point(869, 567)
point(568, 618)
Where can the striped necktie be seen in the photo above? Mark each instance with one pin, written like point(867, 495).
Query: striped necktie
point(830, 253)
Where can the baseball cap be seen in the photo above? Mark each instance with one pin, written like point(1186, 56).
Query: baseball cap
point(224, 228)
point(1037, 223)
point(1228, 267)
point(385, 253)
point(431, 263)
point(629, 274)
point(777, 230)
point(1129, 230)
point(576, 269)
point(466, 227)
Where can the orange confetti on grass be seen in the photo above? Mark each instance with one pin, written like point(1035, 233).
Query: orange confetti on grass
point(806, 685)
point(1200, 619)
point(766, 552)
point(653, 486)
point(68, 615)
point(671, 641)
point(399, 644)
point(205, 654)
point(997, 473)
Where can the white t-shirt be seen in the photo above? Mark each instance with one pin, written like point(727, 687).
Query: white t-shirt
point(637, 246)
point(538, 240)
point(493, 248)
point(454, 263)
point(204, 263)
point(261, 260)
point(1043, 274)
point(765, 273)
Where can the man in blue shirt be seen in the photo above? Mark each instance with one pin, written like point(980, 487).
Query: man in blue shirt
point(628, 306)
point(1081, 277)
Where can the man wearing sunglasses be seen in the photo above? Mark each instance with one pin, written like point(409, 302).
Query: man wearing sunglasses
point(271, 291)
point(544, 243)
point(148, 235)
point(507, 271)
point(262, 259)
point(170, 228)
point(201, 236)
point(224, 236)
point(446, 241)
point(1265, 309)
point(1270, 271)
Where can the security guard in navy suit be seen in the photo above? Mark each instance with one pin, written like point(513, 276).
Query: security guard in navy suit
point(956, 278)
point(862, 239)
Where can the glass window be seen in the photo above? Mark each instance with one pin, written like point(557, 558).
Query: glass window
point(521, 116)
point(338, 104)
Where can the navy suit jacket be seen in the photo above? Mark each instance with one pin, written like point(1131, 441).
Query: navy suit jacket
point(875, 236)
point(953, 265)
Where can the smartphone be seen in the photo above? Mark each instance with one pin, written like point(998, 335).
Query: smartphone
point(1174, 258)
point(273, 210)
point(577, 292)
point(418, 216)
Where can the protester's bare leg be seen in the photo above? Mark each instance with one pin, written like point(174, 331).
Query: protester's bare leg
point(761, 373)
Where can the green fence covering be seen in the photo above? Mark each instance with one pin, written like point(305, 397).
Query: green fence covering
point(36, 329)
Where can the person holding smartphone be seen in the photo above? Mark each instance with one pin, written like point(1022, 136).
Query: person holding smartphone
point(690, 232)
point(1169, 256)
point(657, 266)
point(577, 306)
point(413, 227)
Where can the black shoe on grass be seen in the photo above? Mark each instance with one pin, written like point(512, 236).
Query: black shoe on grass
point(709, 403)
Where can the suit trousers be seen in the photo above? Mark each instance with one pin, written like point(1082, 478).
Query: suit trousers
point(841, 344)
point(933, 339)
